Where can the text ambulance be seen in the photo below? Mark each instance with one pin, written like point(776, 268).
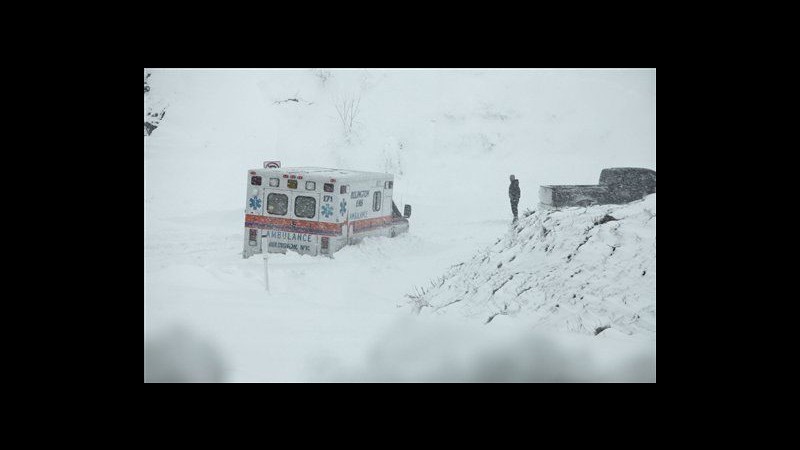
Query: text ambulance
point(317, 211)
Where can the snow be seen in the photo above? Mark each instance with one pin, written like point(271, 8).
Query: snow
point(323, 172)
point(451, 138)
point(583, 270)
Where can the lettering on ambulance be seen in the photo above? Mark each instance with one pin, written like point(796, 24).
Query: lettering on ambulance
point(357, 215)
point(301, 242)
point(359, 204)
point(286, 235)
point(302, 248)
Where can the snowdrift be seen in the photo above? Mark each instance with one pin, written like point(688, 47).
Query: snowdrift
point(585, 270)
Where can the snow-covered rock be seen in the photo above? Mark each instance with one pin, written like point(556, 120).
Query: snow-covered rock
point(586, 270)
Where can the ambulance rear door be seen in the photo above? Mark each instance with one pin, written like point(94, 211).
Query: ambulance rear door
point(305, 208)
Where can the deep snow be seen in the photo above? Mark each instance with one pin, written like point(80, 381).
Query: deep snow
point(451, 138)
point(584, 270)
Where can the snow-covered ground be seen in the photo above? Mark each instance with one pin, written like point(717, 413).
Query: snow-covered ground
point(451, 138)
point(584, 270)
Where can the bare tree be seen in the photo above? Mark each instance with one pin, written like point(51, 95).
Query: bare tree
point(323, 75)
point(347, 106)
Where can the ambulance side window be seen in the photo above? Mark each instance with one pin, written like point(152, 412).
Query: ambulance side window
point(376, 201)
point(277, 204)
point(305, 206)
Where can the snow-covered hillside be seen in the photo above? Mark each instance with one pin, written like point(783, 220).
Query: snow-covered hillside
point(586, 270)
point(451, 137)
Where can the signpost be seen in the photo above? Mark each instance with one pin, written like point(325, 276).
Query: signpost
point(264, 239)
point(265, 251)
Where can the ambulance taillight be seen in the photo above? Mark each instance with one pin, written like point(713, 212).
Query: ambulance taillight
point(253, 236)
point(325, 244)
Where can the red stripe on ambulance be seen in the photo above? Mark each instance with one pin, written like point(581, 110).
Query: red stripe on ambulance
point(360, 226)
point(293, 225)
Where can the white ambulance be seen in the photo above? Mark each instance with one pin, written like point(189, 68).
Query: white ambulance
point(317, 211)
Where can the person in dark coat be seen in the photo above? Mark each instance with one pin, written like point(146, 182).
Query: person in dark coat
point(514, 193)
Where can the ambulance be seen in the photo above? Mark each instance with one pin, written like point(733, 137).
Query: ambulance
point(317, 211)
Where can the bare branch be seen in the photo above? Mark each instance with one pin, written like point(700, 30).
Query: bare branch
point(347, 106)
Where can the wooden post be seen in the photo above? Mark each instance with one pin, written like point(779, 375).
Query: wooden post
point(265, 252)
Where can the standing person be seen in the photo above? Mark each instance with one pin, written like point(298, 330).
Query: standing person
point(514, 193)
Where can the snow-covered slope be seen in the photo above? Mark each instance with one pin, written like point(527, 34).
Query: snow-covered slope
point(586, 270)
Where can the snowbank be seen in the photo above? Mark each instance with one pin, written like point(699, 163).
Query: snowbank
point(585, 270)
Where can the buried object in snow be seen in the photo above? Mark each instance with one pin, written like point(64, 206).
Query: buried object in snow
point(617, 185)
point(316, 210)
